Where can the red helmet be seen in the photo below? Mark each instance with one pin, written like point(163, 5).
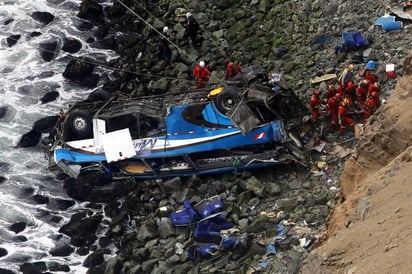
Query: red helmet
point(338, 96)
point(316, 92)
point(351, 85)
point(374, 94)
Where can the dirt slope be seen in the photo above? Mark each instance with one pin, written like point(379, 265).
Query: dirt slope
point(371, 231)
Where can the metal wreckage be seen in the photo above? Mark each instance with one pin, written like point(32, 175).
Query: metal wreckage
point(251, 122)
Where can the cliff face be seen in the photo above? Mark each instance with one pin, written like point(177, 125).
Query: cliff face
point(370, 231)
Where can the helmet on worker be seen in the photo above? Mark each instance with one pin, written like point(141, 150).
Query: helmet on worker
point(165, 29)
point(202, 64)
point(351, 85)
point(338, 96)
point(188, 15)
point(370, 65)
point(365, 83)
point(374, 94)
point(316, 92)
point(351, 67)
point(345, 102)
point(331, 86)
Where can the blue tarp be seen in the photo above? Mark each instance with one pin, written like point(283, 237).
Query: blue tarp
point(353, 40)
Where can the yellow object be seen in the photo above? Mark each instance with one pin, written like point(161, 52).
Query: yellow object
point(215, 92)
point(135, 168)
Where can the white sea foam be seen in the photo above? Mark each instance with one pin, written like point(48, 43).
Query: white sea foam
point(25, 78)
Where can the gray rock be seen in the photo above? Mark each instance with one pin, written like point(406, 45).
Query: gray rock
point(146, 232)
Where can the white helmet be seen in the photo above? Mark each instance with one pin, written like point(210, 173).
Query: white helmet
point(166, 30)
point(188, 15)
point(202, 64)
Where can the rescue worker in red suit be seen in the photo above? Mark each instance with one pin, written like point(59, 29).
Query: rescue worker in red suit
point(232, 70)
point(362, 92)
point(350, 91)
point(344, 118)
point(368, 75)
point(332, 107)
point(330, 92)
point(372, 104)
point(201, 74)
point(314, 105)
point(373, 87)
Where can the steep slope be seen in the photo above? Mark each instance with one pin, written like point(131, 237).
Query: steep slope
point(370, 232)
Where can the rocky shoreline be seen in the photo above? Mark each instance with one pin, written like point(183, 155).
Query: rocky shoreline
point(136, 214)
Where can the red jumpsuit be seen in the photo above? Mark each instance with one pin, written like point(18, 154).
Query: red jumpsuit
point(201, 76)
point(373, 88)
point(232, 70)
point(332, 107)
point(372, 104)
point(350, 91)
point(370, 77)
point(330, 92)
point(314, 107)
point(361, 94)
point(344, 118)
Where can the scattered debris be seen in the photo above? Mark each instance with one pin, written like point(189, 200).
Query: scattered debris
point(322, 78)
point(388, 23)
point(353, 40)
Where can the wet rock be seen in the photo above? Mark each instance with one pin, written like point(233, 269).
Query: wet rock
point(46, 124)
point(71, 45)
point(49, 97)
point(29, 139)
point(12, 40)
point(40, 199)
point(18, 227)
point(82, 187)
point(19, 238)
point(61, 204)
point(61, 250)
point(6, 271)
point(82, 228)
point(33, 268)
point(91, 81)
point(91, 10)
point(96, 269)
point(35, 34)
point(96, 258)
point(3, 111)
point(42, 17)
point(79, 69)
point(56, 266)
point(48, 50)
point(113, 265)
point(3, 252)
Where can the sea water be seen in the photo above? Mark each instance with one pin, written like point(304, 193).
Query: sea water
point(24, 78)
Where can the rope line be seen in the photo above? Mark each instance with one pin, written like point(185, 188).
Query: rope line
point(165, 37)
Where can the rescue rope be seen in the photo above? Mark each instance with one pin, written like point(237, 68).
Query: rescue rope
point(211, 37)
point(165, 37)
